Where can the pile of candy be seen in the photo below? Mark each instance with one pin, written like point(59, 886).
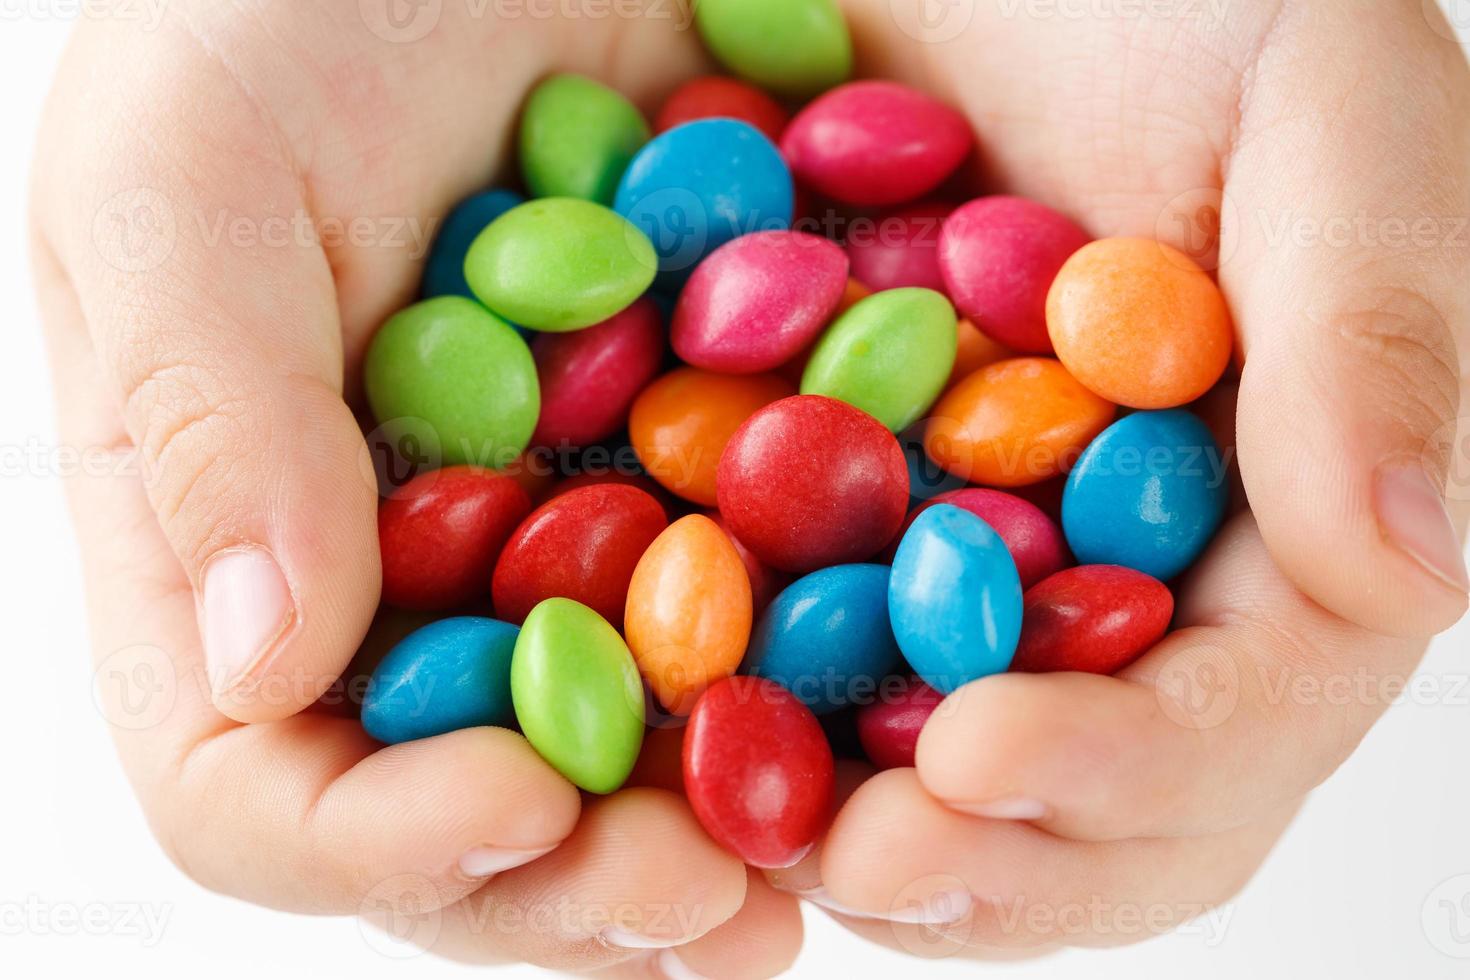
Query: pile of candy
point(868, 471)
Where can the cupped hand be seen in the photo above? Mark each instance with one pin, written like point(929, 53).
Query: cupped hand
point(1314, 153)
point(225, 209)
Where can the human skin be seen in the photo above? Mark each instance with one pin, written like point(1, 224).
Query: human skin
point(231, 366)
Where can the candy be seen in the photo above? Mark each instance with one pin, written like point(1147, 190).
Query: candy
point(758, 771)
point(700, 185)
point(444, 269)
point(593, 478)
point(559, 264)
point(581, 545)
point(795, 47)
point(954, 598)
point(681, 423)
point(1139, 323)
point(765, 582)
point(875, 143)
point(577, 138)
point(589, 378)
point(1015, 422)
point(717, 97)
point(899, 249)
point(927, 479)
point(447, 369)
point(1093, 618)
point(890, 355)
point(1148, 494)
point(441, 533)
point(577, 695)
point(758, 301)
point(688, 612)
point(973, 351)
point(826, 638)
point(809, 481)
point(998, 256)
point(889, 727)
point(1035, 542)
point(446, 676)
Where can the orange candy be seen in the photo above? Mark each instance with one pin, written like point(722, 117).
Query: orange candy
point(1139, 323)
point(679, 424)
point(1014, 423)
point(973, 351)
point(689, 611)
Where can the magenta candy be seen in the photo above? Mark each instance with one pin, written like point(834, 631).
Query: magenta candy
point(899, 249)
point(810, 481)
point(875, 143)
point(758, 301)
point(1093, 618)
point(998, 256)
point(1035, 542)
point(889, 727)
point(590, 377)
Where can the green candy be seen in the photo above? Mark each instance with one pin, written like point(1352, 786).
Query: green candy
point(560, 264)
point(577, 694)
point(577, 138)
point(447, 370)
point(889, 355)
point(795, 47)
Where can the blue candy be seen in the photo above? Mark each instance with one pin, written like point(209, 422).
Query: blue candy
point(1148, 494)
point(446, 676)
point(954, 598)
point(444, 271)
point(826, 637)
point(699, 185)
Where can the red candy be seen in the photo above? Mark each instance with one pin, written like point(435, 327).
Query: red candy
point(899, 249)
point(889, 728)
point(590, 377)
point(810, 481)
point(758, 771)
point(1036, 544)
point(599, 478)
point(998, 256)
point(441, 532)
point(1093, 618)
point(875, 144)
point(758, 301)
point(582, 545)
point(765, 582)
point(714, 96)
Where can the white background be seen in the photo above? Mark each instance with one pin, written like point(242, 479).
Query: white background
point(1350, 892)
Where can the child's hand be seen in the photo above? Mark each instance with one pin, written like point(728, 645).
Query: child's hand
point(193, 316)
point(1340, 132)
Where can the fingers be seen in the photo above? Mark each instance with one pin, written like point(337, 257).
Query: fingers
point(1253, 701)
point(897, 854)
point(637, 874)
point(1348, 281)
point(224, 358)
point(761, 940)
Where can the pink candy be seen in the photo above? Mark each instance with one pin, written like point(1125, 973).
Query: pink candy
point(758, 301)
point(998, 256)
point(899, 249)
point(875, 143)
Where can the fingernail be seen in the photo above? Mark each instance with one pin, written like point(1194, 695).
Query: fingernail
point(818, 896)
point(613, 936)
point(482, 862)
point(939, 909)
point(1011, 808)
point(247, 606)
point(674, 968)
point(1413, 515)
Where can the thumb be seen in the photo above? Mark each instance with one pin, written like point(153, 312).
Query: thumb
point(1348, 275)
point(224, 355)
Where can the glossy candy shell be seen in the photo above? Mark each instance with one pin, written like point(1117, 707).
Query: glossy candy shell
point(577, 137)
point(794, 47)
point(1093, 618)
point(889, 727)
point(717, 97)
point(1034, 540)
point(444, 269)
